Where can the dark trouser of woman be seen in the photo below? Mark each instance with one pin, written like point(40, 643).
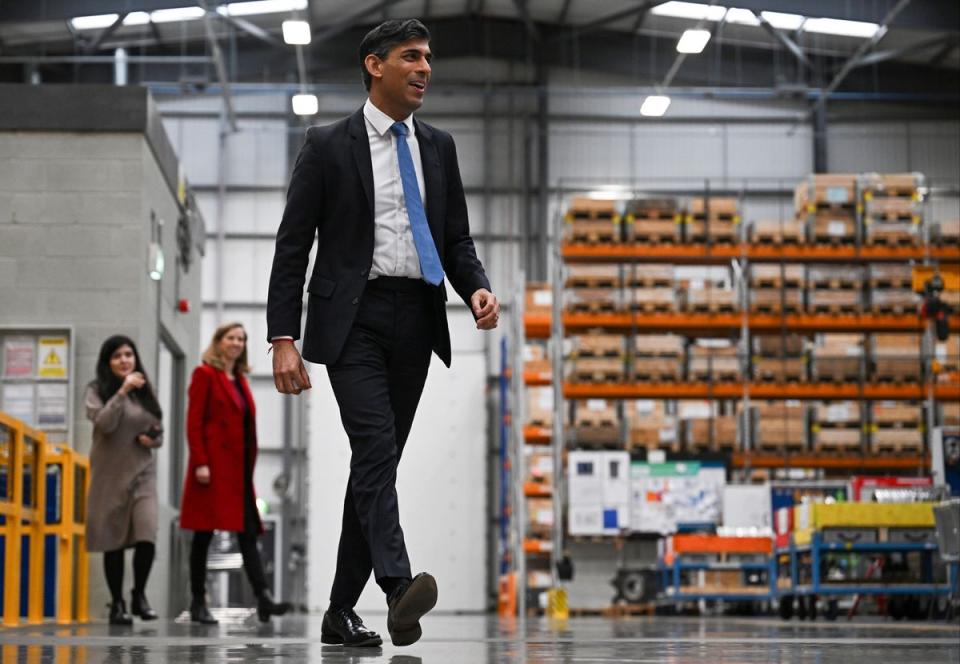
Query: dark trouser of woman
point(252, 564)
point(143, 553)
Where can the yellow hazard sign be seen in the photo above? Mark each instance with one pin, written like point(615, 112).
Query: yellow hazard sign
point(52, 352)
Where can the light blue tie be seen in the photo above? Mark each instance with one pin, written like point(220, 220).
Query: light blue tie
point(426, 249)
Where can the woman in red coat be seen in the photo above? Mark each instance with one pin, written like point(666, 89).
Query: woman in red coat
point(218, 492)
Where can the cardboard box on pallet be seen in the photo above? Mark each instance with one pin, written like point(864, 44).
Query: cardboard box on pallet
point(776, 300)
point(894, 300)
point(825, 189)
point(657, 298)
point(777, 276)
point(595, 300)
point(897, 412)
point(834, 226)
point(593, 276)
point(716, 432)
point(774, 231)
point(535, 361)
point(779, 369)
point(712, 299)
point(539, 466)
point(950, 414)
point(596, 422)
point(539, 299)
point(714, 363)
point(947, 231)
point(658, 345)
point(593, 221)
point(539, 516)
point(649, 425)
point(779, 424)
point(834, 301)
point(779, 345)
point(540, 406)
point(838, 356)
point(896, 357)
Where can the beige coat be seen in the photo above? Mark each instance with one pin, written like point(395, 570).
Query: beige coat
point(122, 505)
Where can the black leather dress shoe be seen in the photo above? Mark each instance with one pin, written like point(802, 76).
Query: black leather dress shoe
point(408, 603)
point(119, 615)
point(344, 627)
point(266, 607)
point(139, 606)
point(199, 613)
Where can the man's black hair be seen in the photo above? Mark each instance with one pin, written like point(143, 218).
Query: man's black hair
point(383, 38)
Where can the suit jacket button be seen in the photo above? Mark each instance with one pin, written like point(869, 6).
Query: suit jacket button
point(356, 300)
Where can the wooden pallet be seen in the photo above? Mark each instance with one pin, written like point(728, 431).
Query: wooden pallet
point(652, 307)
point(834, 240)
point(834, 283)
point(775, 283)
point(834, 309)
point(897, 442)
point(622, 610)
point(897, 309)
point(597, 376)
point(777, 239)
point(591, 231)
point(598, 345)
point(891, 283)
point(594, 307)
point(711, 307)
point(891, 240)
point(716, 375)
point(770, 308)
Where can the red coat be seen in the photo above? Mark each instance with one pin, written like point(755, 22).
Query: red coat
point(215, 434)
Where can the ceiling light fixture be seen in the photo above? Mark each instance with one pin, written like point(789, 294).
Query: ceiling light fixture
point(296, 32)
point(692, 10)
point(693, 41)
point(94, 22)
point(188, 13)
point(655, 106)
point(262, 7)
point(304, 104)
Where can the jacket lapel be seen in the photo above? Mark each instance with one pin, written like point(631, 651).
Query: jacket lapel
point(432, 179)
point(361, 154)
point(227, 385)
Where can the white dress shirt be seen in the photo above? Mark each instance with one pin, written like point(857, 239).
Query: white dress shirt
point(394, 252)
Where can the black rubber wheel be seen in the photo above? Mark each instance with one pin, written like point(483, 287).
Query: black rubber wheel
point(832, 610)
point(786, 607)
point(896, 608)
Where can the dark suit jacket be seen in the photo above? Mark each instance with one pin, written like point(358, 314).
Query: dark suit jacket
point(331, 198)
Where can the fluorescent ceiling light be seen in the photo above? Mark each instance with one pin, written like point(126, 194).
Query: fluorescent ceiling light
point(176, 14)
point(94, 22)
point(296, 32)
point(742, 17)
point(691, 10)
point(305, 104)
point(262, 7)
point(654, 106)
point(693, 41)
point(137, 18)
point(784, 21)
point(836, 26)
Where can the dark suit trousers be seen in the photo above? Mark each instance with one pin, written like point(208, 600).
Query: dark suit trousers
point(377, 381)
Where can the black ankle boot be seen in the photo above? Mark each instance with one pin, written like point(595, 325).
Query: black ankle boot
point(118, 614)
point(199, 613)
point(139, 606)
point(266, 607)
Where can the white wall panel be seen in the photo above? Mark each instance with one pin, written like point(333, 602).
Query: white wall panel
point(246, 270)
point(934, 150)
point(269, 411)
point(257, 153)
point(868, 147)
point(589, 151)
point(674, 151)
point(768, 151)
point(244, 211)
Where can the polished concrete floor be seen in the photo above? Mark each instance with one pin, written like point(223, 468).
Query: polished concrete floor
point(483, 639)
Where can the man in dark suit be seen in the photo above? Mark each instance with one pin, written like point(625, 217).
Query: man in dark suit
point(382, 194)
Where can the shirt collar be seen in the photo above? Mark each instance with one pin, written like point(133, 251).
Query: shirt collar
point(382, 122)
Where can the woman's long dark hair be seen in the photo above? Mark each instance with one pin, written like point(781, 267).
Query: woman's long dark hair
point(107, 383)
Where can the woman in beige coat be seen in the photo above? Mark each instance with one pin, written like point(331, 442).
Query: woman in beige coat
point(122, 505)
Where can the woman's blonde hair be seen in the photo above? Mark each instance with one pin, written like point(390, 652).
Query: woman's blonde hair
point(214, 356)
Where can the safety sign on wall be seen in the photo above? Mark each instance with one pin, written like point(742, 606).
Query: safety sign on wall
point(52, 353)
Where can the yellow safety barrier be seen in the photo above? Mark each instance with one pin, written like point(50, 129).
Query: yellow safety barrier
point(25, 453)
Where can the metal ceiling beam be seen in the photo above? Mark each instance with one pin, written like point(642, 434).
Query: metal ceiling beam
point(860, 53)
point(603, 21)
point(220, 65)
point(524, 13)
point(252, 29)
point(941, 55)
point(785, 41)
point(52, 10)
point(353, 19)
point(564, 12)
point(934, 16)
point(877, 57)
point(106, 32)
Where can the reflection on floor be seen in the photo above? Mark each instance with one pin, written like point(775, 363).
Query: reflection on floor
point(487, 640)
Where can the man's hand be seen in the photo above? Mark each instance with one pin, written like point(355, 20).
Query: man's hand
point(486, 309)
point(289, 374)
point(202, 473)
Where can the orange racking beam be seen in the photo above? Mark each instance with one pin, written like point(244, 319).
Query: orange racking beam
point(721, 544)
point(818, 391)
point(538, 325)
point(535, 435)
point(537, 490)
point(760, 253)
point(831, 461)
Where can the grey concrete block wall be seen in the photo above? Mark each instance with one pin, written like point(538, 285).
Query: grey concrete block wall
point(75, 229)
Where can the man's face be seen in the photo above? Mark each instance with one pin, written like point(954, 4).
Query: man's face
point(401, 79)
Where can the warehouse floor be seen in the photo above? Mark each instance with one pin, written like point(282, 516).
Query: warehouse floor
point(476, 639)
